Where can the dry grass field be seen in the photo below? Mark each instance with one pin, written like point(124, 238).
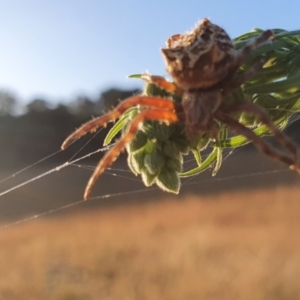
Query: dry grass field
point(241, 245)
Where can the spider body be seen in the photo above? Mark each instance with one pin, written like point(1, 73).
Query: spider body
point(203, 64)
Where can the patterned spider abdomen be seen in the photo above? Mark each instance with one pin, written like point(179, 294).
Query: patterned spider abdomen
point(200, 58)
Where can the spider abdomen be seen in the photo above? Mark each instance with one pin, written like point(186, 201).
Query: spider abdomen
point(199, 107)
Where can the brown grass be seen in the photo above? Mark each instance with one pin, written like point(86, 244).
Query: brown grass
point(243, 245)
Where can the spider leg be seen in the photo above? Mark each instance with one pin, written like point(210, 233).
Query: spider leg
point(112, 154)
point(260, 144)
point(92, 125)
point(241, 56)
point(261, 115)
point(241, 78)
point(246, 51)
point(162, 83)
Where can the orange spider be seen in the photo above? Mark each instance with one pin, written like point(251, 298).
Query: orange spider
point(203, 64)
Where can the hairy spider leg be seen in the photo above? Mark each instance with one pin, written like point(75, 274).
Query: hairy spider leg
point(246, 51)
point(232, 81)
point(112, 154)
point(259, 143)
point(241, 78)
point(260, 114)
point(91, 126)
point(162, 83)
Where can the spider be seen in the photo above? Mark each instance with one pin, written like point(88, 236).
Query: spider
point(203, 64)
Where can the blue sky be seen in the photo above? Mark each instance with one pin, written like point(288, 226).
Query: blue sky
point(58, 49)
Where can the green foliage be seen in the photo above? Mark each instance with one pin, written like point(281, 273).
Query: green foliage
point(157, 151)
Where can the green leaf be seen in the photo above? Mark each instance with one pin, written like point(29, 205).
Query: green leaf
point(289, 85)
point(148, 178)
point(168, 180)
point(138, 76)
point(197, 157)
point(138, 142)
point(219, 158)
point(174, 164)
point(154, 161)
point(204, 166)
point(133, 165)
point(119, 125)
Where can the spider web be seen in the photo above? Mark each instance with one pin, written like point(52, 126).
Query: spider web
point(122, 173)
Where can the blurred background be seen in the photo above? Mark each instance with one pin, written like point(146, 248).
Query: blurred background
point(63, 62)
